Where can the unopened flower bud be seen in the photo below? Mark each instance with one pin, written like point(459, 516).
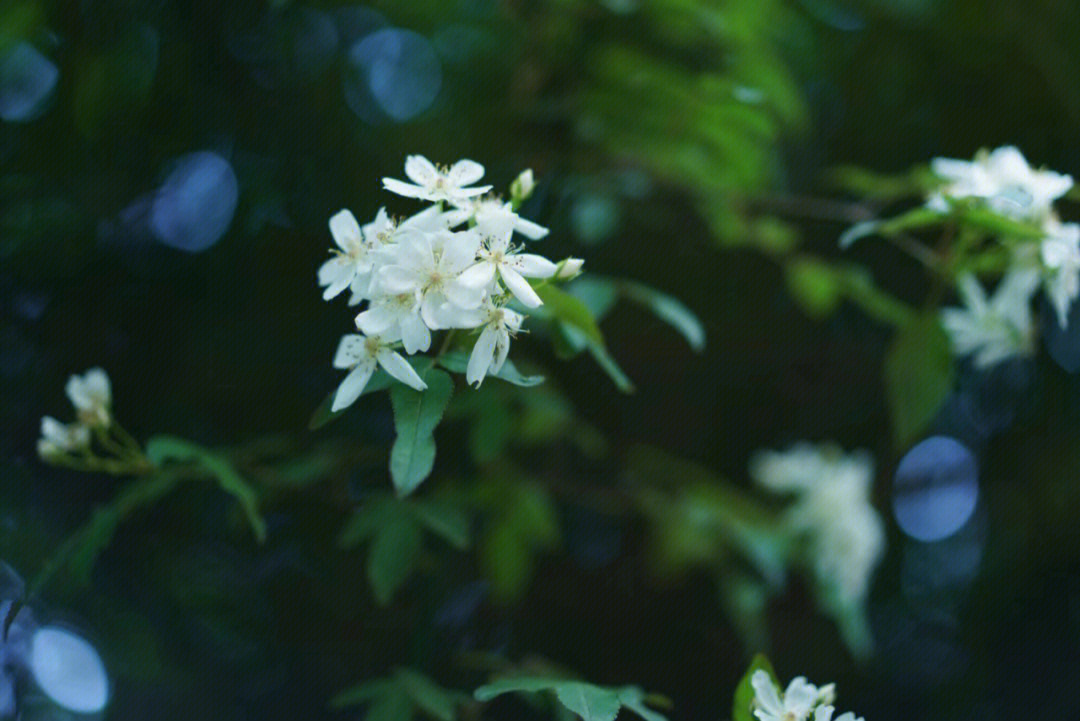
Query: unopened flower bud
point(522, 187)
point(570, 268)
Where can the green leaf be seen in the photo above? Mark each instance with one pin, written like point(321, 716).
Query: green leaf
point(323, 415)
point(744, 692)
point(591, 703)
point(416, 414)
point(165, 448)
point(668, 309)
point(989, 221)
point(361, 693)
point(611, 367)
point(814, 285)
point(443, 520)
point(570, 310)
point(918, 376)
point(395, 705)
point(428, 695)
point(363, 524)
point(393, 556)
point(458, 362)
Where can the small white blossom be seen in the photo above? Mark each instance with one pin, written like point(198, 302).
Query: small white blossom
point(91, 394)
point(360, 355)
point(397, 317)
point(1004, 180)
point(832, 509)
point(494, 217)
point(489, 353)
point(497, 256)
point(1060, 251)
point(995, 329)
point(57, 437)
point(351, 265)
point(431, 183)
point(798, 702)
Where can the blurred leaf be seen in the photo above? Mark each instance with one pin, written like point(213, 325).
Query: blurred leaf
point(744, 692)
point(393, 555)
point(416, 414)
point(429, 696)
point(443, 520)
point(918, 377)
point(523, 523)
point(401, 696)
point(668, 309)
point(168, 448)
point(591, 703)
point(571, 311)
point(814, 285)
point(999, 225)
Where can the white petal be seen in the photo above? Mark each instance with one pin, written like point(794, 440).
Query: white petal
point(346, 230)
point(405, 189)
point(376, 320)
point(69, 670)
point(76, 392)
point(502, 348)
point(415, 336)
point(351, 350)
point(339, 274)
point(765, 693)
point(399, 368)
point(396, 279)
point(96, 382)
point(481, 357)
point(353, 385)
point(520, 287)
point(54, 431)
point(421, 171)
point(532, 266)
point(823, 713)
point(531, 230)
point(479, 275)
point(464, 172)
point(459, 252)
point(462, 295)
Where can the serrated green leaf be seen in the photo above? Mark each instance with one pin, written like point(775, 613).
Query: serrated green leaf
point(167, 448)
point(591, 703)
point(918, 376)
point(668, 309)
point(634, 699)
point(744, 692)
point(526, 684)
point(393, 556)
point(416, 414)
point(443, 520)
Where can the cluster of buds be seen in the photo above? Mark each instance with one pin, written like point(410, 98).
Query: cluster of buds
point(94, 441)
point(453, 266)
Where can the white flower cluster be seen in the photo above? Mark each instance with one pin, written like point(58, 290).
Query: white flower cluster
point(991, 331)
point(798, 702)
point(454, 265)
point(831, 510)
point(91, 394)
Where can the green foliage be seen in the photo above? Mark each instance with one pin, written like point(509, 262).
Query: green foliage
point(416, 414)
point(918, 377)
point(668, 309)
point(380, 381)
point(591, 703)
point(161, 449)
point(744, 692)
point(458, 362)
point(402, 696)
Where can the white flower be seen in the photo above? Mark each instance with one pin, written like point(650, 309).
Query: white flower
point(1004, 180)
point(497, 256)
point(91, 394)
point(570, 268)
point(437, 185)
point(832, 509)
point(361, 354)
point(1060, 251)
point(57, 437)
point(397, 317)
point(489, 353)
point(351, 266)
point(795, 704)
point(996, 329)
point(494, 217)
point(430, 264)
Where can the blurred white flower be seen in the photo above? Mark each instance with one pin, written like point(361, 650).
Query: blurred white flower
point(995, 329)
point(1004, 180)
point(797, 703)
point(91, 394)
point(360, 355)
point(437, 185)
point(489, 353)
point(831, 509)
point(57, 437)
point(1060, 251)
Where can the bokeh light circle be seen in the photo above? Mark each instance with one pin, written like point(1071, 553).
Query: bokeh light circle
point(935, 488)
point(195, 205)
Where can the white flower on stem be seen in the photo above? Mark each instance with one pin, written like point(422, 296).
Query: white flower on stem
point(832, 510)
point(351, 265)
point(498, 257)
point(1060, 251)
point(360, 355)
point(494, 217)
point(794, 704)
point(397, 317)
point(489, 353)
point(91, 394)
point(435, 184)
point(1004, 180)
point(430, 264)
point(995, 329)
point(57, 437)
